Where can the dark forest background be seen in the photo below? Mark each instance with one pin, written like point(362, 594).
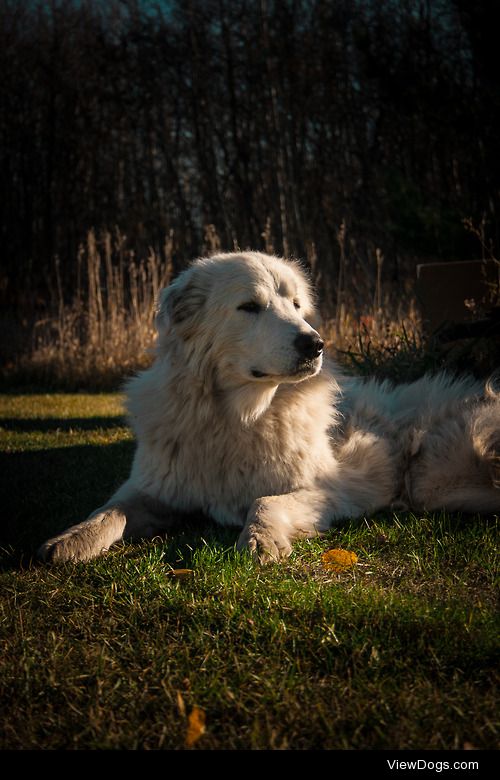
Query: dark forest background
point(265, 124)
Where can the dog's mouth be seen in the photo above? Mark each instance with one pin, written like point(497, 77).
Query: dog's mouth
point(258, 374)
point(304, 369)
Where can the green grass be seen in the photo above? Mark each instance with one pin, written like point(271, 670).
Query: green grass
point(398, 652)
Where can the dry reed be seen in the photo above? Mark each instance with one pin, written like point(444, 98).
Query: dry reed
point(106, 331)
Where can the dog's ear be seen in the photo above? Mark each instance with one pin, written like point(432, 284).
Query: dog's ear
point(180, 302)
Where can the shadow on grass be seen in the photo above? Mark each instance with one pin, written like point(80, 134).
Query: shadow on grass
point(46, 491)
point(183, 540)
point(27, 425)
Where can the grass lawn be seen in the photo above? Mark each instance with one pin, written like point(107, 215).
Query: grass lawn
point(399, 651)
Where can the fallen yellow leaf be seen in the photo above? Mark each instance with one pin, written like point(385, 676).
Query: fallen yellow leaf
point(196, 726)
point(338, 560)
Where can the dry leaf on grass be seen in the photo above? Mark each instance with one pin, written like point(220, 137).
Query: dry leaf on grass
point(196, 726)
point(338, 560)
point(181, 574)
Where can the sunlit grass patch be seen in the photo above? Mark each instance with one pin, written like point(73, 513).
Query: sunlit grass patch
point(397, 651)
point(42, 406)
point(38, 422)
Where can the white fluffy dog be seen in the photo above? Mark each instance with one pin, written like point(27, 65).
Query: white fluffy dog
point(239, 418)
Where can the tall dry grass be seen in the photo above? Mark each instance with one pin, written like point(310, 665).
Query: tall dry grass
point(106, 330)
point(383, 340)
point(375, 327)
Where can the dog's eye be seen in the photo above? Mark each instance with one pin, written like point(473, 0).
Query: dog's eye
point(296, 304)
point(251, 306)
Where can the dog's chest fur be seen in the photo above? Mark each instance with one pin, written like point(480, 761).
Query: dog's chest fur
point(193, 454)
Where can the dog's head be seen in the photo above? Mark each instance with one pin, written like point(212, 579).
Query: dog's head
point(251, 311)
point(246, 314)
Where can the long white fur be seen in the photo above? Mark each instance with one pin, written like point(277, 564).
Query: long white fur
point(232, 423)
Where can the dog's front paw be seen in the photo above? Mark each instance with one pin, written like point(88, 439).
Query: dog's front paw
point(264, 546)
point(265, 532)
point(86, 540)
point(68, 547)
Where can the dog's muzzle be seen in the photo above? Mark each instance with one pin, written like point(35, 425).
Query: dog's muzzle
point(308, 345)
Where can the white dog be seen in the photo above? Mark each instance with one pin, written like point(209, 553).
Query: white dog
point(240, 418)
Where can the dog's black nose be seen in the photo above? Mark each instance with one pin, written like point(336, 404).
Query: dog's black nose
point(309, 345)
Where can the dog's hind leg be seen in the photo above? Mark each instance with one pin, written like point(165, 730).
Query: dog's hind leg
point(123, 517)
point(486, 439)
point(456, 465)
